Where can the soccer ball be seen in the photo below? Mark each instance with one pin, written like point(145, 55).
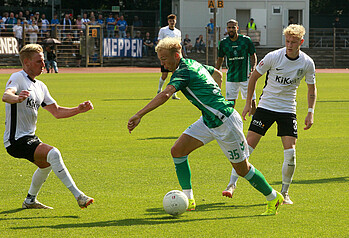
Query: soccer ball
point(175, 202)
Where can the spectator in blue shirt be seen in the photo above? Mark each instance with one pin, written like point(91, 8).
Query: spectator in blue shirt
point(122, 26)
point(110, 25)
point(10, 22)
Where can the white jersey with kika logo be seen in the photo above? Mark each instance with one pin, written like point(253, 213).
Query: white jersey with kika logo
point(167, 32)
point(283, 78)
point(21, 117)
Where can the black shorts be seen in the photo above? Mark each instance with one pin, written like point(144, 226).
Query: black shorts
point(263, 119)
point(163, 69)
point(24, 147)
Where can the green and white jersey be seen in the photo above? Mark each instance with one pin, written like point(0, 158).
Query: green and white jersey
point(237, 57)
point(198, 86)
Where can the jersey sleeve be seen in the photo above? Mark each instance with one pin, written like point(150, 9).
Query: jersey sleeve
point(161, 34)
point(251, 48)
point(221, 52)
point(179, 81)
point(310, 74)
point(265, 64)
point(13, 83)
point(48, 99)
point(209, 68)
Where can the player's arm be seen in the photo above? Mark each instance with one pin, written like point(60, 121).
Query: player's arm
point(250, 89)
point(217, 76)
point(11, 97)
point(309, 119)
point(253, 61)
point(160, 99)
point(219, 62)
point(64, 112)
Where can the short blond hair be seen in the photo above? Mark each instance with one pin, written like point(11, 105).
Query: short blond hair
point(295, 30)
point(28, 50)
point(172, 44)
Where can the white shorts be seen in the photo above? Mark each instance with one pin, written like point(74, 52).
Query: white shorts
point(229, 136)
point(232, 90)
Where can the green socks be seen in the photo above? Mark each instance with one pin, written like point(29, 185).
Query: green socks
point(257, 180)
point(183, 171)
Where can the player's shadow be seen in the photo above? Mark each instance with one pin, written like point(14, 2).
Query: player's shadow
point(314, 181)
point(160, 138)
point(133, 222)
point(205, 208)
point(38, 217)
point(126, 99)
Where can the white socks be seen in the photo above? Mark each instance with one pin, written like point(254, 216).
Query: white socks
point(39, 177)
point(234, 176)
point(288, 168)
point(55, 159)
point(189, 193)
point(161, 83)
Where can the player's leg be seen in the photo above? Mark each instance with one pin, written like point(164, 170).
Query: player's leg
point(232, 141)
point(164, 73)
point(232, 91)
point(192, 138)
point(46, 155)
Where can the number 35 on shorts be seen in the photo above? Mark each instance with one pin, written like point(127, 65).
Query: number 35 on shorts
point(234, 155)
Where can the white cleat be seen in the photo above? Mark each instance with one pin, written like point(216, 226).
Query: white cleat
point(229, 191)
point(84, 201)
point(35, 205)
point(287, 200)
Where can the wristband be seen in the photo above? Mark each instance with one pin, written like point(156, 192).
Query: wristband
point(311, 110)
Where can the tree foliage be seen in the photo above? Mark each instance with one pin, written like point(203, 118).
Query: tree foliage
point(330, 7)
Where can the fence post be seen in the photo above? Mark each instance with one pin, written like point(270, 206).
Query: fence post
point(334, 47)
point(206, 45)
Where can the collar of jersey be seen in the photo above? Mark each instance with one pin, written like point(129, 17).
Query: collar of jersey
point(33, 80)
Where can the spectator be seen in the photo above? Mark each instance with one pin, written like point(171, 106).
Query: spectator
point(33, 31)
point(17, 31)
point(44, 25)
point(138, 35)
point(100, 20)
point(37, 17)
point(67, 25)
point(20, 16)
point(210, 29)
point(122, 27)
point(54, 23)
point(84, 21)
point(200, 44)
point(128, 35)
point(187, 45)
point(92, 21)
point(336, 23)
point(110, 25)
point(251, 26)
point(148, 45)
point(3, 20)
point(10, 22)
point(27, 15)
point(137, 22)
point(78, 24)
point(50, 60)
point(31, 19)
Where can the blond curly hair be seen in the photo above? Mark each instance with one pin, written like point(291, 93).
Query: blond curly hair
point(173, 44)
point(295, 30)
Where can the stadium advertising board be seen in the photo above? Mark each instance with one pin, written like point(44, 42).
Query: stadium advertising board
point(8, 46)
point(115, 47)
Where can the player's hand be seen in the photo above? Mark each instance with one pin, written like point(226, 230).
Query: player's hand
point(23, 95)
point(85, 106)
point(247, 109)
point(133, 122)
point(309, 120)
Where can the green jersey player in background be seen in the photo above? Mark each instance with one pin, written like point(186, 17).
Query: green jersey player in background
point(239, 52)
point(200, 84)
point(285, 69)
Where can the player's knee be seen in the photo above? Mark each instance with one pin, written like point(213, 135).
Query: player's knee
point(290, 156)
point(54, 156)
point(177, 152)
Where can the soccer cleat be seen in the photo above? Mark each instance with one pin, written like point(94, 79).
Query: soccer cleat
point(228, 192)
point(84, 201)
point(35, 205)
point(159, 91)
point(175, 97)
point(287, 200)
point(192, 205)
point(273, 205)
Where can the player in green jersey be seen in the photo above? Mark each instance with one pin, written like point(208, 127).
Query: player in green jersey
point(200, 84)
point(239, 52)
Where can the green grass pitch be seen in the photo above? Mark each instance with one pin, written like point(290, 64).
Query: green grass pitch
point(128, 175)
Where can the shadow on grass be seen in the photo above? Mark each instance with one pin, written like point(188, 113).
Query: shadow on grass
point(160, 138)
point(132, 222)
point(313, 181)
point(205, 208)
point(332, 101)
point(126, 99)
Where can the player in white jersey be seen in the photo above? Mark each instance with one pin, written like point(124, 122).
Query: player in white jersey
point(168, 31)
point(285, 69)
point(23, 96)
